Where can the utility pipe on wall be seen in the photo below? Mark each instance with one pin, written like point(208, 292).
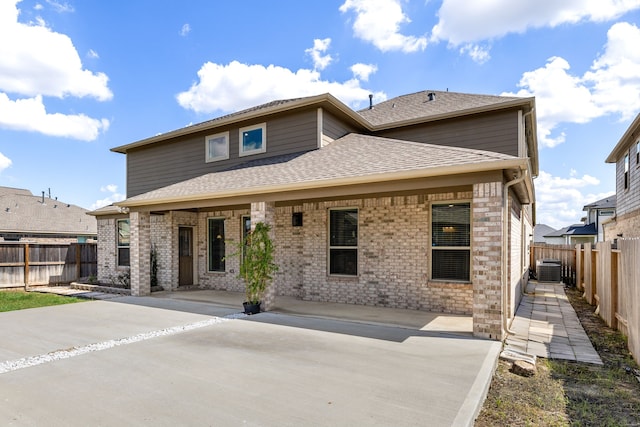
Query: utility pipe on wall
point(505, 247)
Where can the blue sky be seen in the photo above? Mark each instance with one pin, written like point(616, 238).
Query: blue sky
point(80, 77)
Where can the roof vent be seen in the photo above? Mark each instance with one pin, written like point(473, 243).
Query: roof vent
point(370, 101)
point(431, 96)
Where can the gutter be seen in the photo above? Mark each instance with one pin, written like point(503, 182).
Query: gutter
point(327, 183)
point(505, 248)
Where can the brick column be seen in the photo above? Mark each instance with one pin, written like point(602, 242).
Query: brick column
point(140, 253)
point(487, 229)
point(265, 212)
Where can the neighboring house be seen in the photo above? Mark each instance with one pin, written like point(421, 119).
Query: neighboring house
point(626, 156)
point(540, 231)
point(28, 218)
point(424, 201)
point(573, 234)
point(599, 213)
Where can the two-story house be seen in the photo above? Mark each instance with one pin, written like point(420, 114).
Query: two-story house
point(422, 202)
point(626, 156)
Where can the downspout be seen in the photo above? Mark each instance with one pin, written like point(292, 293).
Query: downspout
point(505, 248)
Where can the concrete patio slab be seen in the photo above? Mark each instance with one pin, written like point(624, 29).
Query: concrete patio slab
point(167, 361)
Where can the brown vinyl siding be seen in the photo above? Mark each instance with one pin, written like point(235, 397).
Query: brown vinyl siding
point(497, 132)
point(335, 128)
point(163, 164)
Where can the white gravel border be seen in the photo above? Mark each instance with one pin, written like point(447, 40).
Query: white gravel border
point(14, 365)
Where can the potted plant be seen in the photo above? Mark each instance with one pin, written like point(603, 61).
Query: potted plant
point(257, 266)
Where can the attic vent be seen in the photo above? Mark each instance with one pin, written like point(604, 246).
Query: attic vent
point(431, 96)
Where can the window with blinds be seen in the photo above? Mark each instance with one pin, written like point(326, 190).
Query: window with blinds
point(451, 241)
point(343, 242)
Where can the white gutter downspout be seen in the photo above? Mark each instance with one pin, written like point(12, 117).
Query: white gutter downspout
point(505, 248)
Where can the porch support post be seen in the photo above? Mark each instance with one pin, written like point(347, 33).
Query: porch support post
point(265, 212)
point(487, 229)
point(140, 253)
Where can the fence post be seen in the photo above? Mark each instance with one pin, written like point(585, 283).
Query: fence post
point(26, 266)
point(614, 289)
point(78, 262)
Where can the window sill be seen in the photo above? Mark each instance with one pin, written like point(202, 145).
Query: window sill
point(342, 278)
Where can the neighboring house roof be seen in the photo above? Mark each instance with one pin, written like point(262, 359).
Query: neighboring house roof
point(606, 203)
point(540, 231)
point(352, 159)
point(575, 230)
point(627, 139)
point(23, 213)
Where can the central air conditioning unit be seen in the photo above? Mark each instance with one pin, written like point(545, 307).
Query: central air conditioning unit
point(549, 270)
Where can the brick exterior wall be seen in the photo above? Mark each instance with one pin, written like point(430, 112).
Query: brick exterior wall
point(487, 260)
point(393, 248)
point(628, 225)
point(107, 253)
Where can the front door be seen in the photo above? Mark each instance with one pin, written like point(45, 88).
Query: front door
point(185, 256)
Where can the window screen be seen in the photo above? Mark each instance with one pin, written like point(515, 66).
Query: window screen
point(216, 244)
point(451, 241)
point(343, 242)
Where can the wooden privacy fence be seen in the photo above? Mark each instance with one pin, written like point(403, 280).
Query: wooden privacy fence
point(610, 279)
point(25, 264)
point(566, 254)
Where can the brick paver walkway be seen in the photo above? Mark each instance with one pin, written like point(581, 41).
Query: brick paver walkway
point(546, 325)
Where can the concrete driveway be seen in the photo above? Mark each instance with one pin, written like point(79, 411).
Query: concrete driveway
point(163, 361)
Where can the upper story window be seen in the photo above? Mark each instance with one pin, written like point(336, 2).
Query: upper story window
point(626, 171)
point(123, 242)
point(217, 147)
point(638, 152)
point(253, 139)
point(451, 242)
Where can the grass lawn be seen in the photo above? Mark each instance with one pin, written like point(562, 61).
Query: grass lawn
point(18, 300)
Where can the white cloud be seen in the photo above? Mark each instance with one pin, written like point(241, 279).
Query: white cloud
point(38, 62)
point(363, 71)
point(5, 162)
point(236, 86)
point(320, 46)
point(479, 54)
point(29, 114)
point(93, 54)
point(60, 7)
point(560, 200)
point(110, 199)
point(615, 75)
point(185, 30)
point(611, 86)
point(378, 22)
point(463, 22)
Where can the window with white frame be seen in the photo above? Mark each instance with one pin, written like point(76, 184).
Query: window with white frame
point(253, 139)
point(626, 171)
point(123, 242)
point(217, 147)
point(451, 241)
point(216, 244)
point(343, 242)
point(638, 152)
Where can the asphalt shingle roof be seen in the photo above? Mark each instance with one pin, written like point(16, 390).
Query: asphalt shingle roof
point(22, 212)
point(421, 105)
point(352, 156)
